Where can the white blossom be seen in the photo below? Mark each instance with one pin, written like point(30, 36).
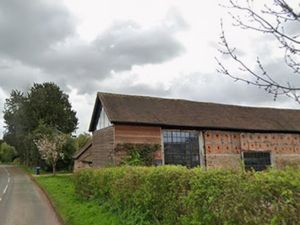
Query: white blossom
point(51, 148)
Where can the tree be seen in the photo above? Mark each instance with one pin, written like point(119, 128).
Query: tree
point(24, 112)
point(48, 103)
point(15, 120)
point(69, 148)
point(82, 139)
point(49, 142)
point(273, 18)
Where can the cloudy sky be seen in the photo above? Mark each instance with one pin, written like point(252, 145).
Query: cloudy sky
point(158, 48)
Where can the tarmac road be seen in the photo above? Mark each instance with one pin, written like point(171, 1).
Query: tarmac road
point(21, 201)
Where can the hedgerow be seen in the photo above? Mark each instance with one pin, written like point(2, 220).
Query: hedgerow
point(173, 195)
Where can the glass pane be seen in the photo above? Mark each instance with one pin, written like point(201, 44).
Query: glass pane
point(257, 160)
point(181, 148)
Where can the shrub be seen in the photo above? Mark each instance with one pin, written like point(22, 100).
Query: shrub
point(173, 195)
point(7, 153)
point(224, 197)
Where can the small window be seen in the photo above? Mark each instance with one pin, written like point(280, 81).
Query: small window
point(257, 160)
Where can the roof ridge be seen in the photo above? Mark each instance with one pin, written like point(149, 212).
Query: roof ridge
point(193, 101)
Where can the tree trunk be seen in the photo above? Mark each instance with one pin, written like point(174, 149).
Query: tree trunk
point(54, 169)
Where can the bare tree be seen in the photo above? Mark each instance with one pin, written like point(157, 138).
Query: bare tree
point(272, 18)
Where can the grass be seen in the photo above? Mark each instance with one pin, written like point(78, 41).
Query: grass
point(73, 210)
point(32, 170)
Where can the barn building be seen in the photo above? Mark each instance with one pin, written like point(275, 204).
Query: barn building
point(191, 133)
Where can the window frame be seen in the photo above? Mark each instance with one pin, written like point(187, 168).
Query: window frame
point(249, 168)
point(200, 142)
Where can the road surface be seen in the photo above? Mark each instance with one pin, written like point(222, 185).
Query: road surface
point(21, 201)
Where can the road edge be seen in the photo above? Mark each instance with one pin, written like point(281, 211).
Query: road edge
point(45, 193)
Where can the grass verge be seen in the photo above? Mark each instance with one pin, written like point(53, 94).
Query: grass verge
point(73, 210)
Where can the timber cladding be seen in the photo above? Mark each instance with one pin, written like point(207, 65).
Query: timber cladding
point(137, 134)
point(132, 134)
point(103, 147)
point(84, 159)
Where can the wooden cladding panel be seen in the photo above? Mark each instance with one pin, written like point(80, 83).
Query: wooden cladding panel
point(103, 146)
point(137, 134)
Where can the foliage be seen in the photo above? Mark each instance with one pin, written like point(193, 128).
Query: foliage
point(48, 103)
point(7, 153)
point(277, 21)
point(138, 154)
point(16, 123)
point(24, 112)
point(73, 210)
point(69, 148)
point(177, 195)
point(50, 144)
point(82, 139)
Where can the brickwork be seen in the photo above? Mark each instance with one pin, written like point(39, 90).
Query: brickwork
point(275, 143)
point(223, 148)
point(284, 148)
point(228, 161)
point(283, 160)
point(103, 147)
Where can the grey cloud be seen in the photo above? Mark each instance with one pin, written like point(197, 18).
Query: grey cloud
point(41, 36)
point(211, 87)
point(140, 45)
point(174, 20)
point(15, 75)
point(280, 72)
point(292, 28)
point(117, 49)
point(128, 87)
point(29, 27)
point(218, 88)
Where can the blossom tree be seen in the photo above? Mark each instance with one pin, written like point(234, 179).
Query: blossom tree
point(51, 148)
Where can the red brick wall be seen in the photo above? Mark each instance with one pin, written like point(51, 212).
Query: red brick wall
point(284, 148)
point(223, 148)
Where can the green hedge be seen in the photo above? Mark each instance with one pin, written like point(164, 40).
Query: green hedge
point(175, 195)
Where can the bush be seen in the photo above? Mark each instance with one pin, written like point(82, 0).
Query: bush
point(243, 198)
point(176, 195)
point(7, 153)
